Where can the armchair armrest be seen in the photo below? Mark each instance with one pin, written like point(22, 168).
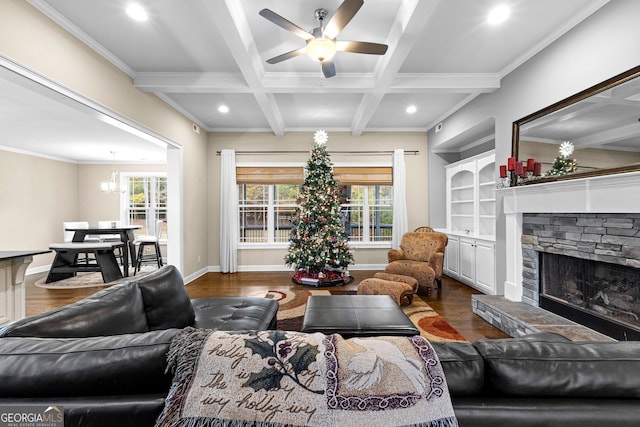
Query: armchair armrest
point(436, 262)
point(395, 254)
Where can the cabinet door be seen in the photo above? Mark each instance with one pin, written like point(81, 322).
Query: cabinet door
point(485, 266)
point(467, 260)
point(451, 257)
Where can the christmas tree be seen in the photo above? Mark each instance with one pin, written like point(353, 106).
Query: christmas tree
point(318, 247)
point(563, 164)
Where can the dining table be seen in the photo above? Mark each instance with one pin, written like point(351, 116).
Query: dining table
point(126, 233)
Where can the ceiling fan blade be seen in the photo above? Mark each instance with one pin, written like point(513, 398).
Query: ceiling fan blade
point(362, 47)
point(328, 69)
point(285, 56)
point(286, 24)
point(342, 16)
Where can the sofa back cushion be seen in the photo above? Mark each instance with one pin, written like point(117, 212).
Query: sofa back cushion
point(422, 246)
point(463, 367)
point(112, 365)
point(561, 369)
point(116, 310)
point(166, 301)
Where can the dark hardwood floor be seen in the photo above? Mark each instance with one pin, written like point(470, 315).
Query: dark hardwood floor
point(452, 302)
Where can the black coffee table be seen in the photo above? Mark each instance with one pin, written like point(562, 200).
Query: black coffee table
point(356, 316)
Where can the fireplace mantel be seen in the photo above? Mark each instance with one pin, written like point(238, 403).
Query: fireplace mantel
point(601, 194)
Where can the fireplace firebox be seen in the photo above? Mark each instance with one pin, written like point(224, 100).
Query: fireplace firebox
point(600, 295)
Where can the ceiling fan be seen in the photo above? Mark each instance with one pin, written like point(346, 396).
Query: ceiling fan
point(321, 41)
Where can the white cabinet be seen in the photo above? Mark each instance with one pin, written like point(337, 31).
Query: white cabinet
point(471, 261)
point(467, 261)
point(471, 222)
point(451, 257)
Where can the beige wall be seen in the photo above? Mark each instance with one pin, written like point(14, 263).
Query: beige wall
point(417, 185)
point(37, 196)
point(93, 204)
point(35, 42)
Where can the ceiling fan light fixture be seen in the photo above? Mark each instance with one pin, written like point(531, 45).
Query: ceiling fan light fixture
point(321, 49)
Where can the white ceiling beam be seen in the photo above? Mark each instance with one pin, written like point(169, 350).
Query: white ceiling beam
point(189, 82)
point(412, 17)
point(229, 18)
point(450, 83)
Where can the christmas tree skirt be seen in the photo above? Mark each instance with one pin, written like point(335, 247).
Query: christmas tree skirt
point(431, 325)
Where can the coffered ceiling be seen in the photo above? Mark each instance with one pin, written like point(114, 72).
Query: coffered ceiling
point(200, 54)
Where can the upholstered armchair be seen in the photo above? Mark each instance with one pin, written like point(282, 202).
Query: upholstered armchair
point(421, 256)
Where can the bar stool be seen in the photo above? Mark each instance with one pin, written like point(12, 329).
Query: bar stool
point(146, 240)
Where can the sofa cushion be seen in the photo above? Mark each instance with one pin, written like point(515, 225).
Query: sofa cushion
point(463, 367)
point(235, 313)
point(166, 301)
point(116, 310)
point(95, 366)
point(530, 367)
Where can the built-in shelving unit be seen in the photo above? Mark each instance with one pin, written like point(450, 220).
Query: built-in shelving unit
point(471, 222)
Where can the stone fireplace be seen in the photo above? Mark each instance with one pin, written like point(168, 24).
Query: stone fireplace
point(595, 221)
point(585, 267)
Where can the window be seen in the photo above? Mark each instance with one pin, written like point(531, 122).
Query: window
point(267, 202)
point(368, 212)
point(146, 201)
point(266, 212)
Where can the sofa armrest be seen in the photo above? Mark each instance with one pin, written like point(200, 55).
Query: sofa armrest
point(395, 254)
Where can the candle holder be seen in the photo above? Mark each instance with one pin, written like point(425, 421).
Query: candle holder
point(516, 173)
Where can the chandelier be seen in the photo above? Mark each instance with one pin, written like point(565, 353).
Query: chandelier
point(112, 186)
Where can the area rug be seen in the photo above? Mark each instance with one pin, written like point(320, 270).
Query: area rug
point(90, 280)
point(431, 325)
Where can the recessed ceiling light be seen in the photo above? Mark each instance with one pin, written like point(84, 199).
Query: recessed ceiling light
point(137, 12)
point(411, 109)
point(223, 109)
point(498, 15)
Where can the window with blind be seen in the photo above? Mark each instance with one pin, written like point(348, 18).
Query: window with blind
point(267, 202)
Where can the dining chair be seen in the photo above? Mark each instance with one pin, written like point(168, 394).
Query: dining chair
point(112, 238)
point(147, 240)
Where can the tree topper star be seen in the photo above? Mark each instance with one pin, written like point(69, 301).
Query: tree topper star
point(320, 137)
point(566, 149)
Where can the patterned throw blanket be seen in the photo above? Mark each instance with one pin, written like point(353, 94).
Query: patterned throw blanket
point(276, 378)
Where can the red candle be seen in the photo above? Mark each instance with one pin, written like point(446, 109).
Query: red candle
point(511, 162)
point(503, 171)
point(519, 168)
point(537, 168)
point(530, 164)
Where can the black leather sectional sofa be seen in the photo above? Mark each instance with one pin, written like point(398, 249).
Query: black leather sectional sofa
point(103, 360)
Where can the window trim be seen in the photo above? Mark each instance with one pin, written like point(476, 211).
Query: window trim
point(344, 165)
point(124, 196)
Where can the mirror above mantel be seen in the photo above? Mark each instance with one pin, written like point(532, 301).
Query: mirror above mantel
point(602, 123)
